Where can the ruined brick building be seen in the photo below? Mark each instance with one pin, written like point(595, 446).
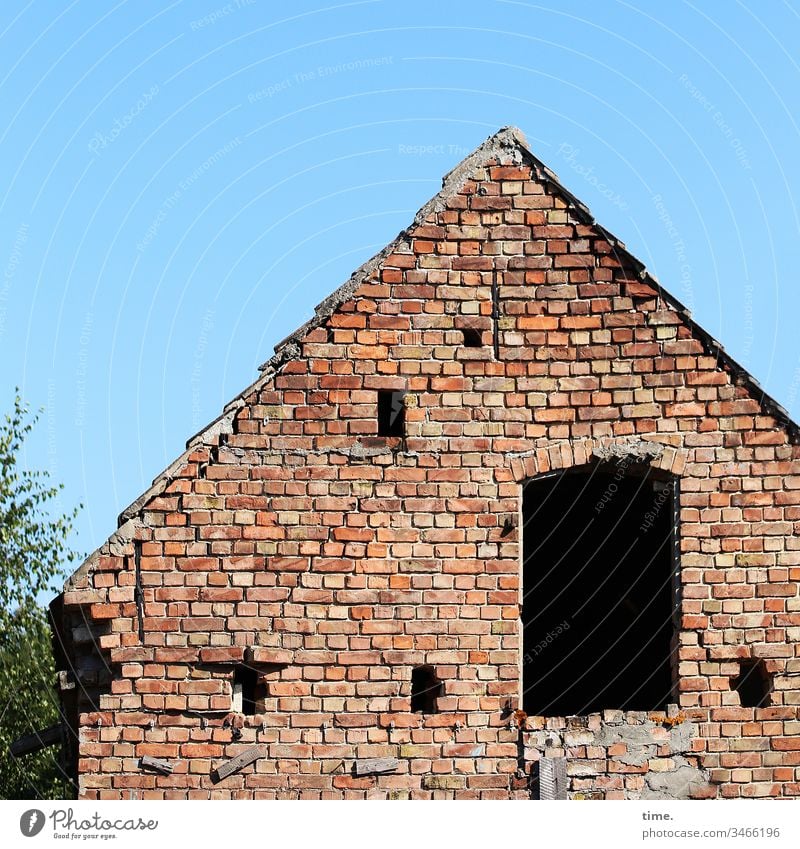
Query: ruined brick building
point(499, 521)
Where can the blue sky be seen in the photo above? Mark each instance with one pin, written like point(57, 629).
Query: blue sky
point(180, 183)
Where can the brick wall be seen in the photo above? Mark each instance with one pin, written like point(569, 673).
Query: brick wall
point(291, 536)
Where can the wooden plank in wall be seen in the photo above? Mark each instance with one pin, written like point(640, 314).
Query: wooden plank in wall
point(552, 778)
point(375, 766)
point(239, 762)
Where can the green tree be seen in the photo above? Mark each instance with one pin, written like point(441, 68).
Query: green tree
point(33, 554)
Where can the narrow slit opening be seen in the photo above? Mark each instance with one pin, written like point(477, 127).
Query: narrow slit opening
point(245, 687)
point(391, 413)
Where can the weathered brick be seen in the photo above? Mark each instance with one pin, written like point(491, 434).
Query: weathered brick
point(296, 544)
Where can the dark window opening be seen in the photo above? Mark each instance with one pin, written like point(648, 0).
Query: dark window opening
point(425, 689)
point(753, 683)
point(473, 338)
point(391, 413)
point(245, 690)
point(599, 587)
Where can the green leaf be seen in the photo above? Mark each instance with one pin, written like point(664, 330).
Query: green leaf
point(34, 553)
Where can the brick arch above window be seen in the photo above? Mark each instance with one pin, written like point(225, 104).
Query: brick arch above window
point(565, 454)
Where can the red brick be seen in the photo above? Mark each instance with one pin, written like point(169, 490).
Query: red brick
point(295, 540)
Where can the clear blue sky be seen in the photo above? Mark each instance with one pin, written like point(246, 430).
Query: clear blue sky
point(181, 183)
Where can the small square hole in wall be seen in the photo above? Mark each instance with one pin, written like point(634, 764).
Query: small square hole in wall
point(473, 338)
point(391, 413)
point(425, 689)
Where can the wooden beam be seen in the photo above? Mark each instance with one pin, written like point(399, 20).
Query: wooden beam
point(239, 762)
point(36, 741)
point(146, 762)
point(552, 778)
point(375, 766)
